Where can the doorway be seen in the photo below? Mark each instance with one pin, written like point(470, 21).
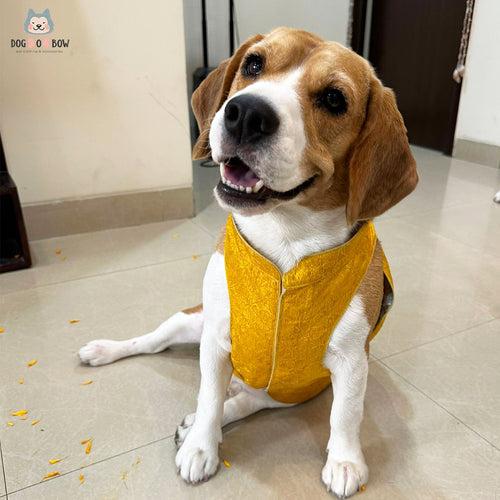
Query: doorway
point(413, 46)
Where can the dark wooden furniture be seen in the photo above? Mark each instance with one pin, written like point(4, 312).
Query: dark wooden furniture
point(14, 248)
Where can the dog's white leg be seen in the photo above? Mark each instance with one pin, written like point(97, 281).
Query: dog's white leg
point(181, 328)
point(198, 457)
point(345, 470)
point(246, 402)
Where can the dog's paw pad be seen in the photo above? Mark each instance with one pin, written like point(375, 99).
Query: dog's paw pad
point(344, 478)
point(100, 352)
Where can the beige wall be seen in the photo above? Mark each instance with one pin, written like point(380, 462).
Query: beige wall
point(479, 112)
point(107, 116)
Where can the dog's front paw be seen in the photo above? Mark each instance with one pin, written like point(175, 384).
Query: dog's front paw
point(197, 458)
point(101, 352)
point(344, 478)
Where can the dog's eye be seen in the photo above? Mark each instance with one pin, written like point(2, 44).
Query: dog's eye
point(334, 101)
point(253, 65)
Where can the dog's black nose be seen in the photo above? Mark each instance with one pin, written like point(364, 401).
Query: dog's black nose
point(250, 118)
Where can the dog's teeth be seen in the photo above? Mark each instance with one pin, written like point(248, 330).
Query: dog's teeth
point(248, 189)
point(241, 188)
point(258, 186)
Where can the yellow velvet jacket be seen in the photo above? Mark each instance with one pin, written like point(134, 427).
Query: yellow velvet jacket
point(280, 324)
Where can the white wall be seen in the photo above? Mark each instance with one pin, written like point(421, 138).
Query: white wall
point(479, 111)
point(323, 17)
point(110, 114)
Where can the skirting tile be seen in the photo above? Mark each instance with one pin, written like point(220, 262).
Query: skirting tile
point(94, 214)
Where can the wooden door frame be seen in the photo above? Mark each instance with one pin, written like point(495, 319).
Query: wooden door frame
point(357, 44)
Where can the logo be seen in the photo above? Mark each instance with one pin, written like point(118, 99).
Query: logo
point(38, 24)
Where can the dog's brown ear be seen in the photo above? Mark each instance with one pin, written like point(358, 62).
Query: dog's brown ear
point(382, 170)
point(211, 94)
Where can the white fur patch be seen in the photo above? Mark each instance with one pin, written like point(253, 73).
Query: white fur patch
point(277, 165)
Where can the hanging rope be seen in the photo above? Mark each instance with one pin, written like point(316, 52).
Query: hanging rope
point(459, 70)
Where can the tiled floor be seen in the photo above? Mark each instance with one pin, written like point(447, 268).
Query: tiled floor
point(432, 418)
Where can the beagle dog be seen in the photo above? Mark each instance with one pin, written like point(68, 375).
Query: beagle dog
point(311, 147)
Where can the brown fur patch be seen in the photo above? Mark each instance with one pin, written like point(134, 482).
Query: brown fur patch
point(193, 310)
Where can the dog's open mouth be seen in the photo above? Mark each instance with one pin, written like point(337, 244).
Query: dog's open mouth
point(239, 181)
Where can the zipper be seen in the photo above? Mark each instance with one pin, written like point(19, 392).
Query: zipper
point(276, 331)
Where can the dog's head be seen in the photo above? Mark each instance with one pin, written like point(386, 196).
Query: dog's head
point(291, 118)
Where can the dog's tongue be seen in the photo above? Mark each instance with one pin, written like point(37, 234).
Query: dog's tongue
point(239, 174)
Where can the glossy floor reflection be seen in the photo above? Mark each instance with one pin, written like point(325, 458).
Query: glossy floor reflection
point(432, 417)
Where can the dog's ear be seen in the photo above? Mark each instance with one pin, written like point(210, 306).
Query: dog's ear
point(382, 170)
point(211, 94)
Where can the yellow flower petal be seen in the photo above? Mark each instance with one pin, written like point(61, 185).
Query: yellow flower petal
point(195, 257)
point(88, 445)
point(73, 321)
point(227, 463)
point(53, 461)
point(362, 487)
point(81, 477)
point(58, 251)
point(32, 362)
point(2, 330)
point(87, 382)
point(10, 424)
point(35, 422)
point(21, 380)
point(19, 413)
point(50, 475)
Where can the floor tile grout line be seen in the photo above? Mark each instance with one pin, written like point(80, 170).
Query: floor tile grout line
point(3, 471)
point(482, 323)
point(440, 406)
point(165, 438)
point(199, 226)
point(109, 273)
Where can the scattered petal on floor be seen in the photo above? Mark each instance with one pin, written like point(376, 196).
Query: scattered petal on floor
point(58, 251)
point(35, 421)
point(32, 362)
point(52, 474)
point(2, 330)
point(73, 321)
point(53, 461)
point(10, 424)
point(88, 445)
point(227, 463)
point(195, 257)
point(362, 487)
point(81, 477)
point(87, 382)
point(21, 380)
point(19, 413)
